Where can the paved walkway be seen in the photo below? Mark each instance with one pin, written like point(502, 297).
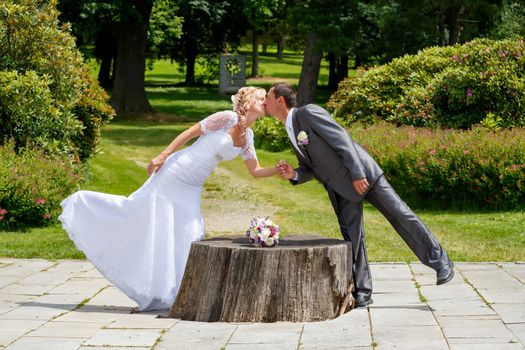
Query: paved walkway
point(68, 305)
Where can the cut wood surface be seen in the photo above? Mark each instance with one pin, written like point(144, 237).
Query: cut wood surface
point(304, 278)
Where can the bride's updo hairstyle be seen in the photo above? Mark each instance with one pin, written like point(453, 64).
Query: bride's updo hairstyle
point(243, 100)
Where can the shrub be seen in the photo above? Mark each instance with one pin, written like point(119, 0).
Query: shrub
point(482, 81)
point(32, 186)
point(271, 135)
point(92, 111)
point(39, 57)
point(450, 168)
point(29, 114)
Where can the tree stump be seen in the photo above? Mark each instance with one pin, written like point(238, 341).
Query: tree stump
point(304, 278)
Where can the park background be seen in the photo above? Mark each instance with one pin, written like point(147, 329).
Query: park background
point(304, 43)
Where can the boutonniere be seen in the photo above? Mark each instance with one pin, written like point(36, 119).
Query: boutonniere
point(302, 138)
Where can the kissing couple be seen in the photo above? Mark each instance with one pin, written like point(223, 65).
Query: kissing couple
point(141, 243)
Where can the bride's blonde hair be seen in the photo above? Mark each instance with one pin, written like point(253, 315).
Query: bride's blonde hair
point(243, 100)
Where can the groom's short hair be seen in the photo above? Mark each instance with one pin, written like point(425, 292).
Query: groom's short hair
point(287, 92)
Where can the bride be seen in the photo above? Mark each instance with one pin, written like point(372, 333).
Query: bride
point(141, 243)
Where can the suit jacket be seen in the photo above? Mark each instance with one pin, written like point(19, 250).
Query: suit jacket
point(331, 156)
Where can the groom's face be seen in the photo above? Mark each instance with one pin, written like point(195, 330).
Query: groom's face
point(271, 103)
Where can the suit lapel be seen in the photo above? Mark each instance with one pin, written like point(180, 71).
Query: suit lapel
point(296, 130)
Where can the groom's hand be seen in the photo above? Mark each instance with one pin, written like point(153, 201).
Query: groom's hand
point(285, 170)
point(360, 185)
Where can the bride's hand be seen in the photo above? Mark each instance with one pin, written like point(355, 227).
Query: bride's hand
point(155, 164)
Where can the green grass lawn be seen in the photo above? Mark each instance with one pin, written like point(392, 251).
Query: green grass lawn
point(128, 145)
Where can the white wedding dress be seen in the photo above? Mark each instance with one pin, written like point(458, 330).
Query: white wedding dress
point(141, 243)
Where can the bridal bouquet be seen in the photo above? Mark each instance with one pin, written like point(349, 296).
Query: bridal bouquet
point(264, 232)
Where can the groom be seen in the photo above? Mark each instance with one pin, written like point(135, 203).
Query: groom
point(325, 151)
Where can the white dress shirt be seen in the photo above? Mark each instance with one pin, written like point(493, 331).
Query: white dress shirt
point(289, 129)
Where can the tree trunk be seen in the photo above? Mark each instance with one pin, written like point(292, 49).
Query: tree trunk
point(342, 72)
point(441, 24)
point(305, 278)
point(359, 59)
point(313, 55)
point(129, 94)
point(104, 72)
point(255, 54)
point(190, 51)
point(455, 23)
point(105, 50)
point(332, 71)
point(264, 45)
point(280, 47)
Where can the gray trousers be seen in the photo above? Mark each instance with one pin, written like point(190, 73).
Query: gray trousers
point(413, 231)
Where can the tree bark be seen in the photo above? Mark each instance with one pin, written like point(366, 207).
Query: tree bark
point(105, 50)
point(307, 89)
point(264, 45)
point(441, 24)
point(359, 60)
point(305, 278)
point(455, 22)
point(104, 72)
point(342, 73)
point(129, 94)
point(332, 71)
point(280, 47)
point(190, 51)
point(255, 54)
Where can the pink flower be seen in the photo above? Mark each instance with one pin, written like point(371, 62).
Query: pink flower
point(46, 216)
point(40, 201)
point(469, 92)
point(466, 151)
point(1, 217)
point(3, 212)
point(432, 152)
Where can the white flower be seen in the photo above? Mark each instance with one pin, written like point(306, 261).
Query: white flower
point(266, 233)
point(260, 231)
point(302, 136)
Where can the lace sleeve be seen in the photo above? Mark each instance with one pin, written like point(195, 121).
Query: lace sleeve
point(248, 151)
point(224, 121)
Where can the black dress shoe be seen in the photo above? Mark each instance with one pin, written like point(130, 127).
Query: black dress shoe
point(363, 300)
point(445, 273)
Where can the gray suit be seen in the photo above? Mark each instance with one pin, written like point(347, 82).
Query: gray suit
point(335, 160)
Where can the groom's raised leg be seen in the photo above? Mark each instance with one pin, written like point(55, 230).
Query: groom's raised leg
point(413, 231)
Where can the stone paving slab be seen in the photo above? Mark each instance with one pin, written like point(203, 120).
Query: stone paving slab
point(124, 337)
point(40, 343)
point(68, 304)
point(54, 329)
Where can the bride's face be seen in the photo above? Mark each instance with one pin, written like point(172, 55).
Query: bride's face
point(257, 107)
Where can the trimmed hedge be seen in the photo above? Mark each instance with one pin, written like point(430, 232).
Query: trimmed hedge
point(482, 81)
point(450, 168)
point(438, 168)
